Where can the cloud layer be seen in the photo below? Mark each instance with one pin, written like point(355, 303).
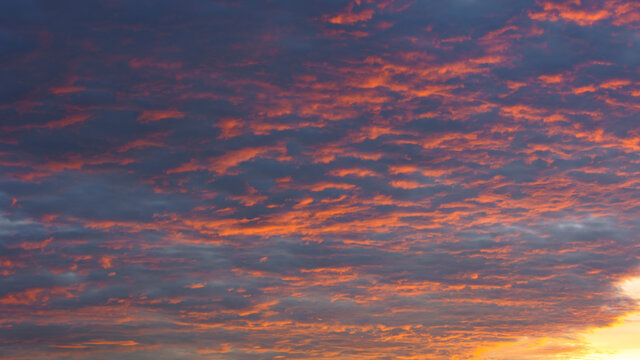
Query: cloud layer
point(244, 180)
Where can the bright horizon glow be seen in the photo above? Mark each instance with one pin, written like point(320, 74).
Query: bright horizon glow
point(620, 341)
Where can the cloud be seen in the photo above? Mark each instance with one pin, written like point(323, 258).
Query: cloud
point(345, 180)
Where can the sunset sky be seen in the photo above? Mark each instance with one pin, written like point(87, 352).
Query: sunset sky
point(320, 179)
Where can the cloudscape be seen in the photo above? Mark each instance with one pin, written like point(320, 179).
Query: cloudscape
point(319, 179)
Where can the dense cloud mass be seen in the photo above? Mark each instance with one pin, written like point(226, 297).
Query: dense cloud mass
point(340, 179)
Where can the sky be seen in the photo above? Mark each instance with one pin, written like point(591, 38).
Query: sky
point(311, 180)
